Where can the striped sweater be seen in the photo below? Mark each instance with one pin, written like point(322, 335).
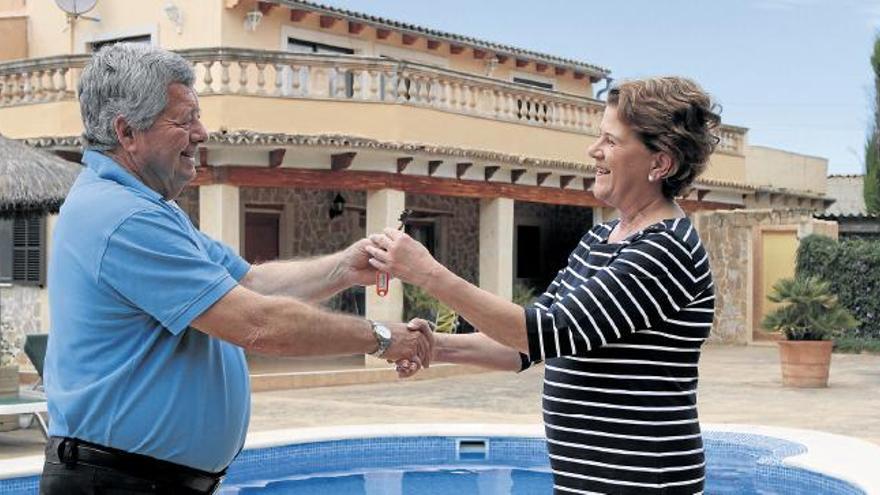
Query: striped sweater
point(620, 330)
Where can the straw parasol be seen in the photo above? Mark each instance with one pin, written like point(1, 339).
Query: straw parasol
point(32, 181)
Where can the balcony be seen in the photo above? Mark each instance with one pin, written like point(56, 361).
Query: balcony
point(379, 98)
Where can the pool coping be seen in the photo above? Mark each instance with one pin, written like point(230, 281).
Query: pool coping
point(850, 459)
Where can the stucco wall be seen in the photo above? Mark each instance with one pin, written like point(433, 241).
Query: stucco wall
point(784, 169)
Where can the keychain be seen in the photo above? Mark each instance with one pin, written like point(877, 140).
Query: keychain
point(383, 279)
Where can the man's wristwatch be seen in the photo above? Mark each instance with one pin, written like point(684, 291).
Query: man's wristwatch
point(383, 337)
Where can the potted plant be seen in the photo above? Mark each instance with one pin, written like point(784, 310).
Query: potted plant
point(809, 317)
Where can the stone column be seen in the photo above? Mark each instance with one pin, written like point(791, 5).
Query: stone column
point(45, 316)
point(496, 246)
point(602, 214)
point(383, 210)
point(220, 214)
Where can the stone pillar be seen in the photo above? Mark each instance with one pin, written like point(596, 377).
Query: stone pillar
point(496, 246)
point(383, 210)
point(602, 214)
point(220, 214)
point(45, 315)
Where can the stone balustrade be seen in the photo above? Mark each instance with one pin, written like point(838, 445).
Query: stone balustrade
point(258, 73)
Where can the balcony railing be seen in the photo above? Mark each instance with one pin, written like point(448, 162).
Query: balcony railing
point(233, 71)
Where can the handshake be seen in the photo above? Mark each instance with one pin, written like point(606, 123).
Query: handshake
point(412, 346)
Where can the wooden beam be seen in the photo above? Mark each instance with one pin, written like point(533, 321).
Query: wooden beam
point(409, 39)
point(297, 15)
point(455, 49)
point(203, 156)
point(276, 157)
point(565, 180)
point(265, 7)
point(588, 183)
point(355, 27)
point(433, 44)
point(490, 171)
point(328, 21)
point(382, 33)
point(479, 54)
point(402, 163)
point(701, 193)
point(341, 161)
point(461, 168)
point(595, 79)
point(542, 177)
point(501, 58)
point(325, 180)
point(520, 63)
point(516, 174)
point(540, 67)
point(433, 165)
point(579, 75)
point(560, 71)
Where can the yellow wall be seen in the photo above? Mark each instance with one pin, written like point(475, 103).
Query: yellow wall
point(726, 167)
point(201, 25)
point(269, 35)
point(778, 258)
point(778, 168)
point(13, 32)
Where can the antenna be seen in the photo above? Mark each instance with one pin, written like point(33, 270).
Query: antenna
point(76, 8)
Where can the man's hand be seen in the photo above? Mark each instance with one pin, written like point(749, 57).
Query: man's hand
point(411, 343)
point(407, 368)
point(354, 267)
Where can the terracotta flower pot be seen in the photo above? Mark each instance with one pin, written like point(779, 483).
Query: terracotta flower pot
point(805, 363)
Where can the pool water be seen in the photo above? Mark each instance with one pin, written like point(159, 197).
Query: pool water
point(737, 464)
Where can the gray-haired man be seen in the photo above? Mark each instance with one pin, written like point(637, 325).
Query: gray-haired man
point(145, 370)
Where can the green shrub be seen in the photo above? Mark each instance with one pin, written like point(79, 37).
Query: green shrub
point(852, 269)
point(809, 310)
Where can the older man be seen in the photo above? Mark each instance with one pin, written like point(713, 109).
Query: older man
point(145, 371)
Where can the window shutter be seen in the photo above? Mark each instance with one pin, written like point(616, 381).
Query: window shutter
point(27, 250)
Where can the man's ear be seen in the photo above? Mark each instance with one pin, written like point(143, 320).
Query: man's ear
point(664, 165)
point(124, 133)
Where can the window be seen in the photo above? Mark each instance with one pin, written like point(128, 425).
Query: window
point(23, 255)
point(532, 82)
point(144, 39)
point(301, 46)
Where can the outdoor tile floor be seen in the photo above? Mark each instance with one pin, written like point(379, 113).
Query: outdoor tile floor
point(738, 385)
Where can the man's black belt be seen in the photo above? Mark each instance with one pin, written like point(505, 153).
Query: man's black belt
point(71, 451)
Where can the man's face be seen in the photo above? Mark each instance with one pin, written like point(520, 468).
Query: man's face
point(164, 154)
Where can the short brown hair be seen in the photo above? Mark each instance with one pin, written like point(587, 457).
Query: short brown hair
point(673, 115)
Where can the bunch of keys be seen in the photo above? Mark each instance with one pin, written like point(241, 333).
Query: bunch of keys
point(383, 279)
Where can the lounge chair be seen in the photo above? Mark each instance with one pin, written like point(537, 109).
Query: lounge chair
point(32, 401)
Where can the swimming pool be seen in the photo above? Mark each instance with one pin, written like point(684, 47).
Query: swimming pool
point(502, 459)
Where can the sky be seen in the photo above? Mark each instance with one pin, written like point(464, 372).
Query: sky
point(796, 73)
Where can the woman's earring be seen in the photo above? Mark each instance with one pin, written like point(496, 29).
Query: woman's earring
point(650, 178)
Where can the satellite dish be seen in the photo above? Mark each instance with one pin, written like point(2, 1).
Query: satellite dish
point(76, 7)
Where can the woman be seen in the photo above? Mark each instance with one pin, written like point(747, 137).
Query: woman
point(621, 326)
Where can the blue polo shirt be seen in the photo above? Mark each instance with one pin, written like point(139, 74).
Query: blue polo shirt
point(128, 274)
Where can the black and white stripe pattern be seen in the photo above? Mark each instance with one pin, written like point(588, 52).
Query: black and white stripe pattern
point(620, 329)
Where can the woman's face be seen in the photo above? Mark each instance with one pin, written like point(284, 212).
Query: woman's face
point(623, 163)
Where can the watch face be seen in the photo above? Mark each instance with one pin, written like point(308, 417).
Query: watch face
point(383, 331)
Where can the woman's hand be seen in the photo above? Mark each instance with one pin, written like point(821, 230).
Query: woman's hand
point(403, 257)
point(409, 367)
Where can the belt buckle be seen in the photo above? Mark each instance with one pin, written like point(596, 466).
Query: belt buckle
point(217, 483)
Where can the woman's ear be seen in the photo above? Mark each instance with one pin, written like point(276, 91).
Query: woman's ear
point(664, 166)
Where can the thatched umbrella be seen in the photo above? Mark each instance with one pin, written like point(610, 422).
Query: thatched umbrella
point(32, 181)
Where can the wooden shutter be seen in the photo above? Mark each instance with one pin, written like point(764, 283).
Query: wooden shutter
point(28, 250)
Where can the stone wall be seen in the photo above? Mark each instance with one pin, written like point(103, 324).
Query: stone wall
point(729, 238)
point(457, 231)
point(20, 308)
